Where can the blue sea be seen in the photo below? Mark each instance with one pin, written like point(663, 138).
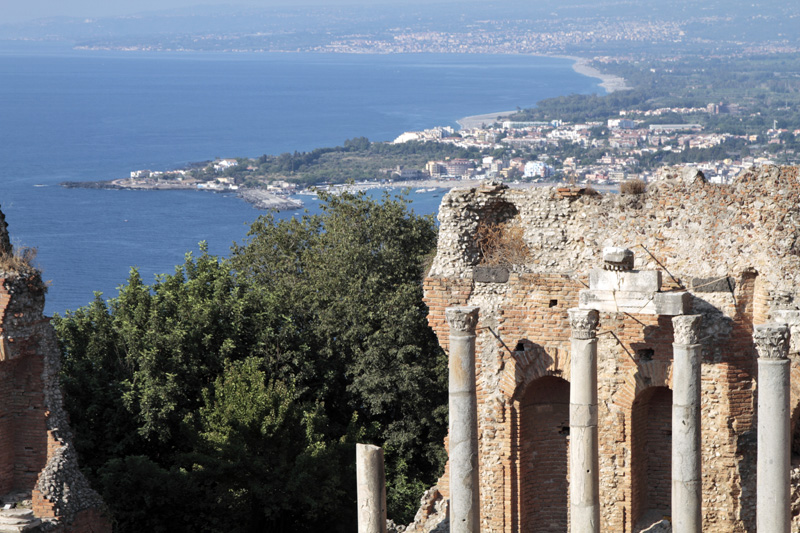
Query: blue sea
point(91, 115)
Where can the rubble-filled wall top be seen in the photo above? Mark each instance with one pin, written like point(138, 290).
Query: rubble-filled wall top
point(692, 229)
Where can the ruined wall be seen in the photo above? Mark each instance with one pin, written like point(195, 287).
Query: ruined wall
point(734, 248)
point(38, 466)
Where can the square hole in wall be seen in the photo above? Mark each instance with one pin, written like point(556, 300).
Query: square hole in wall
point(645, 354)
point(553, 303)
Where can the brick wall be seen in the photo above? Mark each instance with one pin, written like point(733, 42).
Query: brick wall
point(691, 231)
point(544, 458)
point(651, 437)
point(32, 417)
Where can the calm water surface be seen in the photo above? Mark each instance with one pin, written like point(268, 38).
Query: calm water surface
point(69, 115)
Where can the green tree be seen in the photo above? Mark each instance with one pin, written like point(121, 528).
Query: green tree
point(244, 383)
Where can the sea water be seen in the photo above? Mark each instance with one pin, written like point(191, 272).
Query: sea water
point(92, 115)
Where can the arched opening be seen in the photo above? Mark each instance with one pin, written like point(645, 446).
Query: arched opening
point(544, 460)
point(651, 450)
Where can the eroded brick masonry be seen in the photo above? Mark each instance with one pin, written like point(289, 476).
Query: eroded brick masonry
point(39, 477)
point(735, 250)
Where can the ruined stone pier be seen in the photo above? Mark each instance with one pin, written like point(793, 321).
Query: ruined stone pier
point(687, 480)
point(463, 404)
point(774, 439)
point(370, 489)
point(584, 485)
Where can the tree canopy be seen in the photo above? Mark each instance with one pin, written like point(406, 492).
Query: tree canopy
point(228, 395)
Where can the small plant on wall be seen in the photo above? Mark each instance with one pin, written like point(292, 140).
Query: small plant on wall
point(632, 187)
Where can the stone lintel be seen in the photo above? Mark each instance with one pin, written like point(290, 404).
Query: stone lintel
point(633, 281)
point(618, 301)
point(772, 340)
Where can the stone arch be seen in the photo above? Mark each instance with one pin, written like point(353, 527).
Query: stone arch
point(645, 376)
point(530, 363)
point(543, 452)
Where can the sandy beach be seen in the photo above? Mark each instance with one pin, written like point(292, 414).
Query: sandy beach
point(609, 82)
point(476, 121)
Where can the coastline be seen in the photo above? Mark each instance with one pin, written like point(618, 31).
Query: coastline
point(476, 121)
point(609, 82)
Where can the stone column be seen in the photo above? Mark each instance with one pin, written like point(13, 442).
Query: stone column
point(687, 480)
point(584, 475)
point(370, 489)
point(464, 490)
point(774, 439)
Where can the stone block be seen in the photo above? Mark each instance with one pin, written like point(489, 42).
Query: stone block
point(634, 280)
point(635, 302)
point(672, 303)
point(487, 274)
point(727, 284)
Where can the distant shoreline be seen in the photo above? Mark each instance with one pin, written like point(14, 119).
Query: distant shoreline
point(609, 82)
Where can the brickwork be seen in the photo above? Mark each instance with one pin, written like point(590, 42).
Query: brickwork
point(691, 231)
point(36, 460)
point(544, 458)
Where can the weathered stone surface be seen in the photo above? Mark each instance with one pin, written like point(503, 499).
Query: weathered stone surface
point(370, 489)
point(636, 302)
point(583, 323)
point(687, 329)
point(672, 303)
point(485, 274)
point(726, 284)
point(633, 281)
point(616, 258)
point(772, 340)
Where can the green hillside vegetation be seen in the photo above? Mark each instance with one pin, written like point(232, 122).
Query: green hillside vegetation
point(229, 395)
point(761, 88)
point(357, 159)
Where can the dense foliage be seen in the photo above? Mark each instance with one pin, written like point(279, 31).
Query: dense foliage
point(228, 396)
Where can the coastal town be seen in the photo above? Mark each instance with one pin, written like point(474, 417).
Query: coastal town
point(521, 153)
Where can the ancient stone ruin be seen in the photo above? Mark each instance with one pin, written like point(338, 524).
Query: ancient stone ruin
point(41, 488)
point(634, 366)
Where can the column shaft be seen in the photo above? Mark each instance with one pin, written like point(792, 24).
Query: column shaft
point(370, 489)
point(774, 439)
point(463, 404)
point(584, 471)
point(687, 480)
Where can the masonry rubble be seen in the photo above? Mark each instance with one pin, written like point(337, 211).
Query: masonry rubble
point(683, 277)
point(41, 486)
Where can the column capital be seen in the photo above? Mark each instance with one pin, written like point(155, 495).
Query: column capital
point(462, 319)
point(583, 323)
point(686, 329)
point(772, 340)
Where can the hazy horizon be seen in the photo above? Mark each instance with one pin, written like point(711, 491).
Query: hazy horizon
point(16, 12)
